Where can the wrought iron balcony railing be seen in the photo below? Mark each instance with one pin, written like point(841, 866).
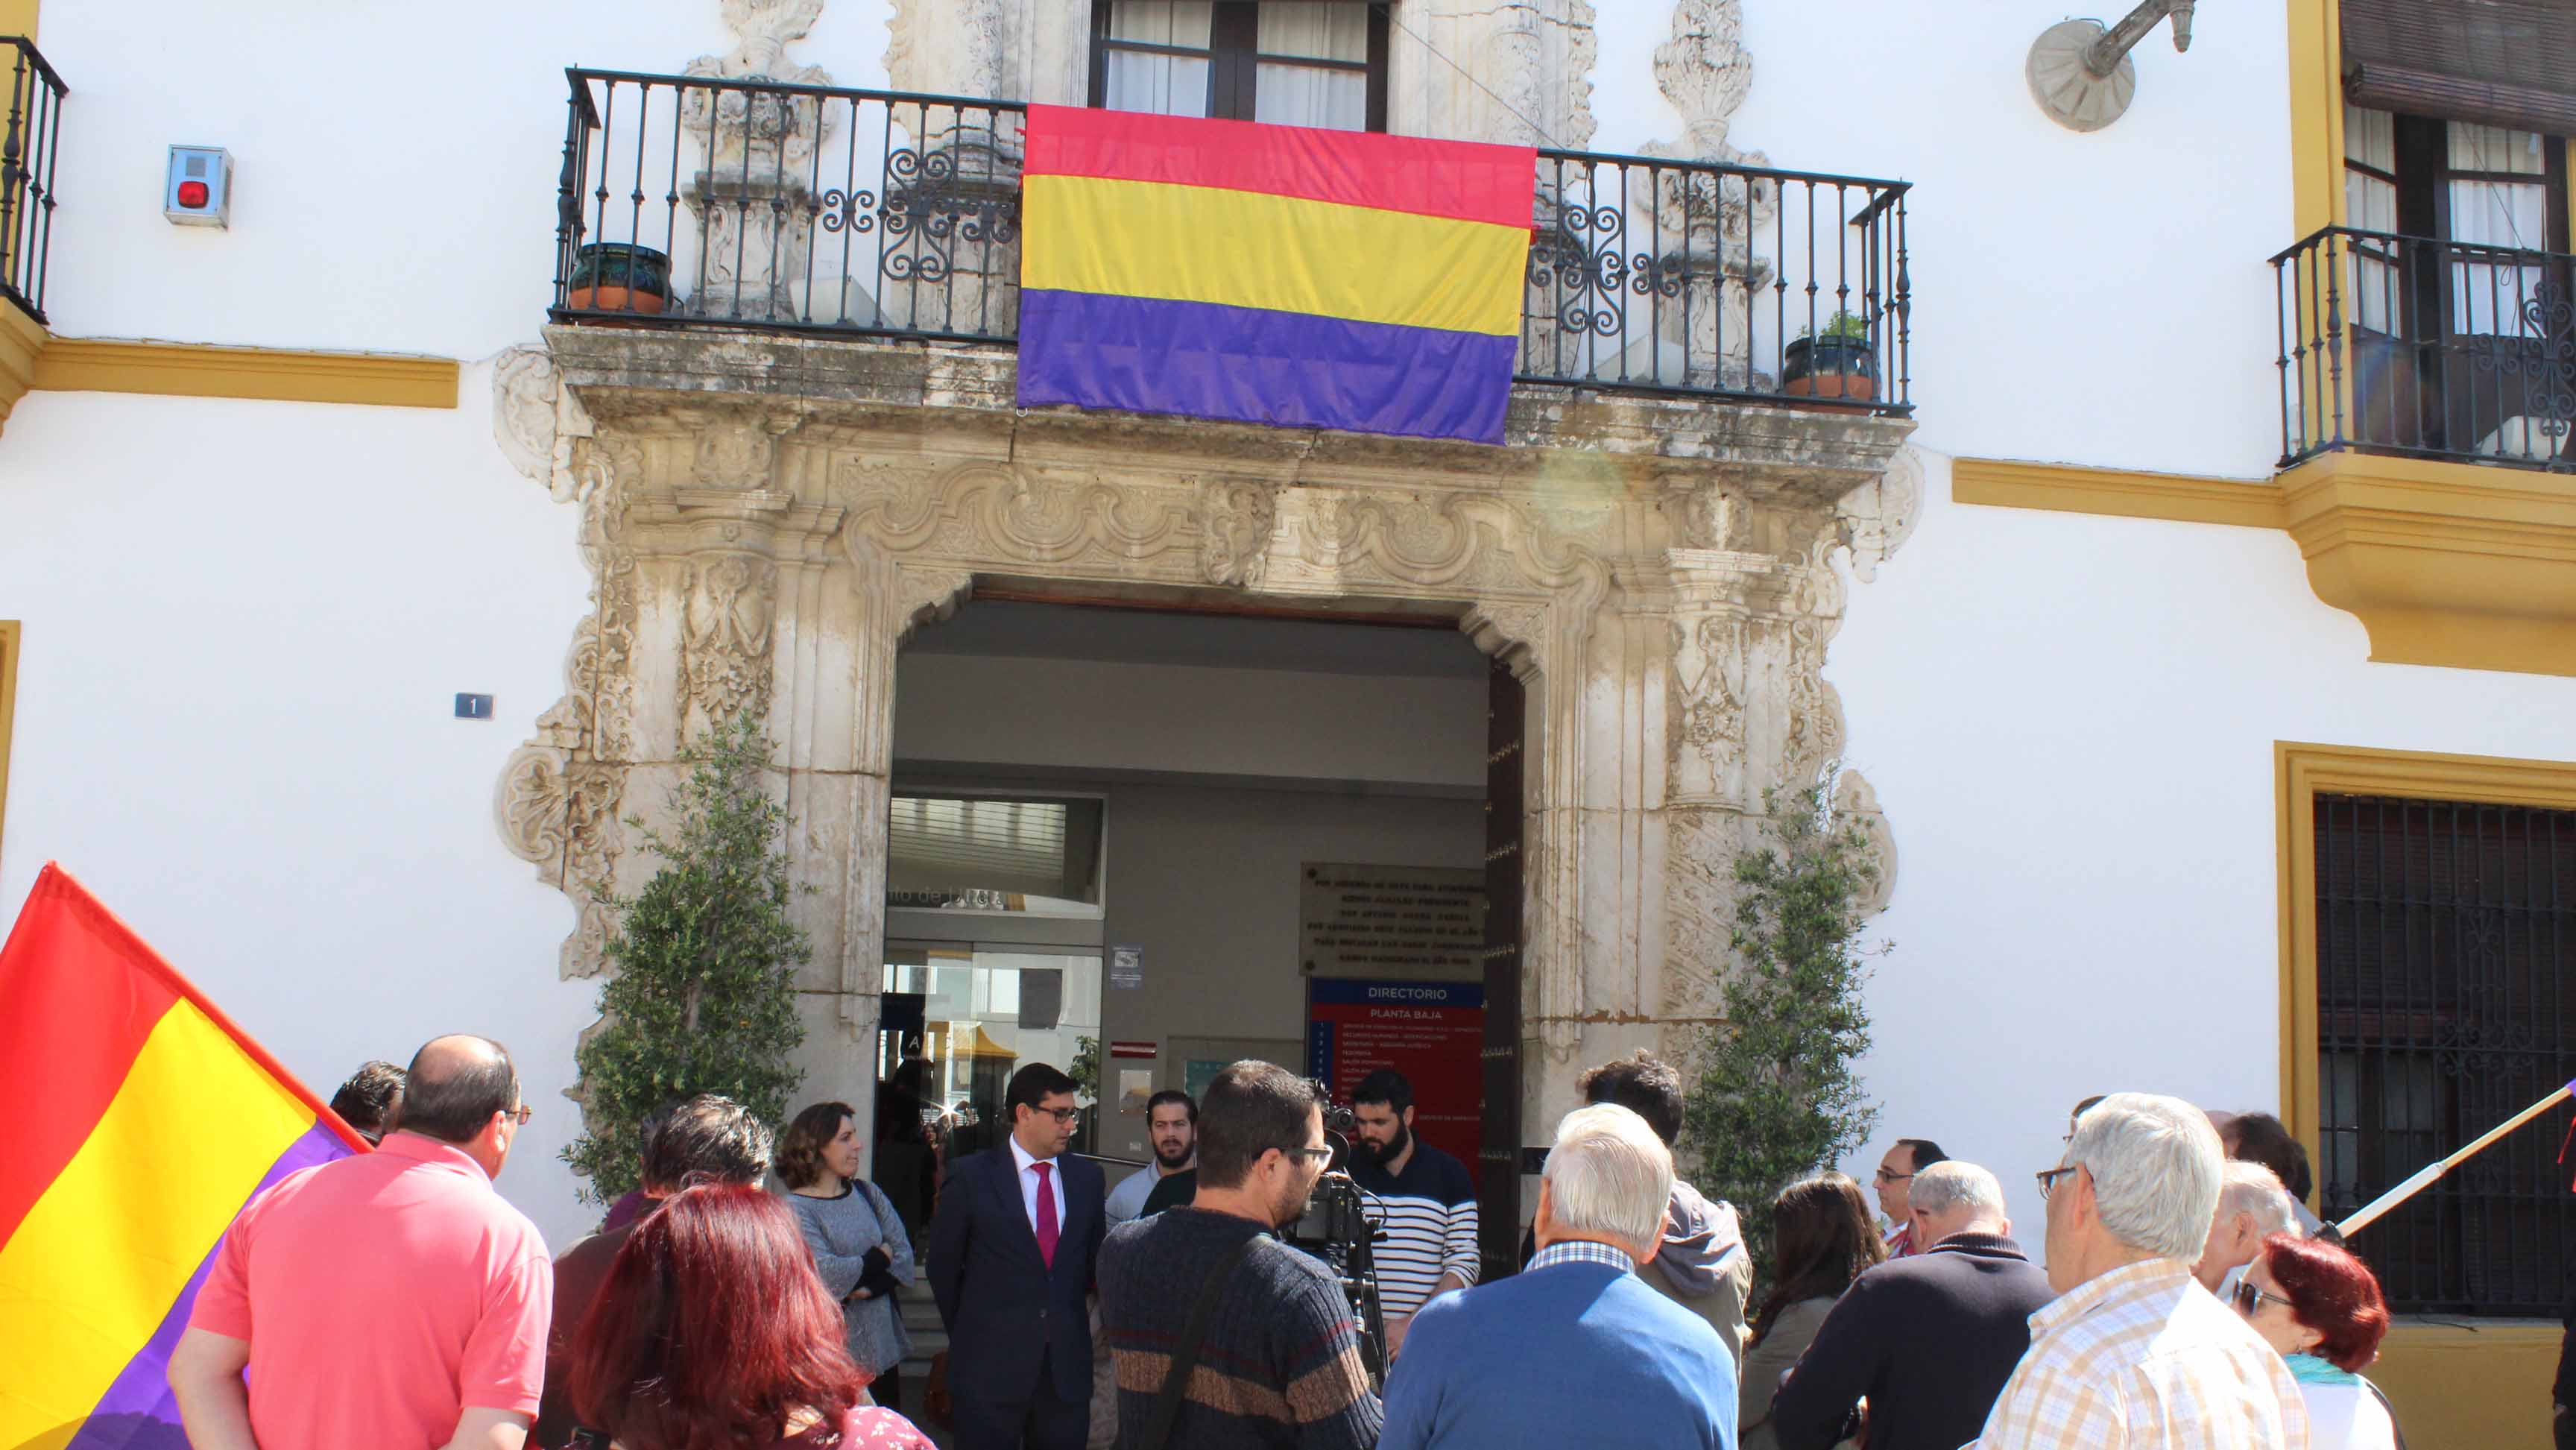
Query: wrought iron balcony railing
point(28, 138)
point(2425, 348)
point(691, 200)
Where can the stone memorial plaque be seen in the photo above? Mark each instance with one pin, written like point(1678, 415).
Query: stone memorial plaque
point(1390, 921)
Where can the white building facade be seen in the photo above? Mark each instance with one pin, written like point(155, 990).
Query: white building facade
point(2142, 548)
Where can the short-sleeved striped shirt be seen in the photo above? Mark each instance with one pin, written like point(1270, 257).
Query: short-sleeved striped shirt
point(1429, 1214)
point(2144, 1357)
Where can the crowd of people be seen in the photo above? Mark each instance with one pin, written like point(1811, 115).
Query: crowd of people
point(2187, 1300)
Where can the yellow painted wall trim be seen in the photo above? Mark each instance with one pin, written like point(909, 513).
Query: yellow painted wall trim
point(2316, 114)
point(195, 370)
point(18, 17)
point(2459, 564)
point(2485, 1382)
point(22, 339)
point(10, 633)
point(2121, 493)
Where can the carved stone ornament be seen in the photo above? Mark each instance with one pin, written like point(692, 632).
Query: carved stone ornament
point(1234, 531)
point(762, 543)
point(1519, 74)
point(724, 644)
point(536, 421)
point(1856, 800)
point(1875, 520)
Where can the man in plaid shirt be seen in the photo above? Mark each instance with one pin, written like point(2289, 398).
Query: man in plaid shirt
point(2133, 1352)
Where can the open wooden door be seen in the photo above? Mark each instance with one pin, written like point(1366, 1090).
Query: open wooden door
point(1498, 1152)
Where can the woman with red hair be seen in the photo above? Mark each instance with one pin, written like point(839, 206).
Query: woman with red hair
point(713, 1333)
point(2320, 1308)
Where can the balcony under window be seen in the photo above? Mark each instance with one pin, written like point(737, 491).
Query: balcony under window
point(30, 133)
point(700, 202)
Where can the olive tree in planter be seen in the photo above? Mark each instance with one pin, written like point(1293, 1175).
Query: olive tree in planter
point(1774, 1096)
point(702, 996)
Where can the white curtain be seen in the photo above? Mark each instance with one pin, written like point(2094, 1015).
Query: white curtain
point(1297, 95)
point(1166, 85)
point(2370, 138)
point(2486, 298)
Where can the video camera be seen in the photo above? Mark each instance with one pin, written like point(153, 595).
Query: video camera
point(1338, 1229)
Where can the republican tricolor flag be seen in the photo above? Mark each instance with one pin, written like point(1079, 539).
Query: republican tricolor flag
point(1272, 274)
point(140, 1121)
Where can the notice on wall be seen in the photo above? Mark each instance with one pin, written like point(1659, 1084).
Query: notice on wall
point(1199, 1072)
point(1432, 1032)
point(1135, 1088)
point(1126, 968)
point(1390, 921)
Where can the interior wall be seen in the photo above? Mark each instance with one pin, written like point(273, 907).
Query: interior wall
point(1123, 715)
point(1206, 882)
point(1221, 782)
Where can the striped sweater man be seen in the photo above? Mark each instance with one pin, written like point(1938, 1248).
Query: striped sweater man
point(1423, 1199)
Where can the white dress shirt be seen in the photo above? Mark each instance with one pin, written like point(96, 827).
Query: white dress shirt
point(1029, 1185)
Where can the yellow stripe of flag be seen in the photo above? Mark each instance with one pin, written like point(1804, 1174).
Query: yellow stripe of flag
point(101, 1257)
point(1278, 253)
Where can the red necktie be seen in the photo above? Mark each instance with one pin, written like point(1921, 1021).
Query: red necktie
point(1047, 1229)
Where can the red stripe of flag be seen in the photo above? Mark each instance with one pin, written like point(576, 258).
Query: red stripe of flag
point(1465, 180)
point(73, 1015)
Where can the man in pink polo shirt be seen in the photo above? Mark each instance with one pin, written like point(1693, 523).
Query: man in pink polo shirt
point(392, 1299)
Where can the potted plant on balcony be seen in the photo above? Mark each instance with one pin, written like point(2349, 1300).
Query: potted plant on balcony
point(619, 277)
point(1839, 362)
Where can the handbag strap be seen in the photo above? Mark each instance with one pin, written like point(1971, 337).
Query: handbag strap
point(2394, 1433)
point(1185, 1355)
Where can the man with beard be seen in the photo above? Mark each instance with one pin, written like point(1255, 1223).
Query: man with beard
point(1173, 1120)
point(1224, 1336)
point(1425, 1198)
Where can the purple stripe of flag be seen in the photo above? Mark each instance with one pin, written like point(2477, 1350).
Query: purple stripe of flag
point(1250, 365)
point(138, 1411)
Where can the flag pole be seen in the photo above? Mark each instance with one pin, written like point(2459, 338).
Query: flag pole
point(2371, 1211)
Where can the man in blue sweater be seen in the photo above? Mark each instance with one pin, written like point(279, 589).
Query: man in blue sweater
point(1575, 1350)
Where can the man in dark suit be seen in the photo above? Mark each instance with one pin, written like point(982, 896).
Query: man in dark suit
point(1010, 1253)
point(1931, 1338)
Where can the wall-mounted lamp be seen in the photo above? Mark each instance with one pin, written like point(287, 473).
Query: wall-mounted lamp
point(2080, 73)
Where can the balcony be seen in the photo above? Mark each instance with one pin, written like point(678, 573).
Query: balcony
point(699, 202)
point(29, 136)
point(2416, 348)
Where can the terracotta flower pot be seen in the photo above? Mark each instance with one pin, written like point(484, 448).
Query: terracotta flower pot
point(1829, 367)
point(619, 277)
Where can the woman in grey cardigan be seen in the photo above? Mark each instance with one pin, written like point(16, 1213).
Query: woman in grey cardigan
point(857, 1237)
point(1822, 1238)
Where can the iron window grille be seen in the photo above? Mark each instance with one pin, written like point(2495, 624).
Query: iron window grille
point(2445, 934)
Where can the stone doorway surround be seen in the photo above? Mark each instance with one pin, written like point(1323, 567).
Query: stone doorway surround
point(766, 520)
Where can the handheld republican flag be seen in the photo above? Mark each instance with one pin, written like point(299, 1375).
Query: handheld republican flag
point(1272, 274)
point(141, 1121)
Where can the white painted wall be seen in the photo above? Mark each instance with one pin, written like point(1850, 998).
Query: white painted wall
point(394, 166)
point(2070, 722)
point(2101, 299)
point(235, 720)
point(1105, 715)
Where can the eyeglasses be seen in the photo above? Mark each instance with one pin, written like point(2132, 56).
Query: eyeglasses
point(1320, 1155)
point(521, 1114)
point(1884, 1176)
point(2248, 1298)
point(2048, 1179)
point(1066, 1116)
